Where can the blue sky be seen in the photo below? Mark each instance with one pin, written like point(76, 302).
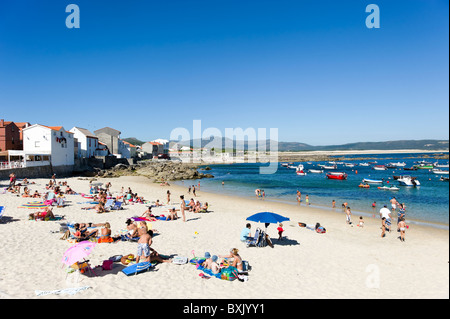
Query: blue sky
point(312, 69)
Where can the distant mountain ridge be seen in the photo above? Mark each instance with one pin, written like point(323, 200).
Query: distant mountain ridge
point(296, 146)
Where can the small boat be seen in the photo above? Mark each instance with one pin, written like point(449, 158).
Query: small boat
point(315, 171)
point(364, 164)
point(292, 167)
point(410, 168)
point(362, 185)
point(444, 179)
point(372, 181)
point(387, 188)
point(424, 166)
point(398, 164)
point(349, 165)
point(440, 165)
point(380, 167)
point(329, 167)
point(408, 181)
point(339, 176)
point(440, 172)
point(390, 166)
point(284, 164)
point(300, 170)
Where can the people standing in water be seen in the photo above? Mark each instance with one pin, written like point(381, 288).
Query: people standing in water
point(299, 197)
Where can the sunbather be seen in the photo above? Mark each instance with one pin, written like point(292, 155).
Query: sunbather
point(237, 260)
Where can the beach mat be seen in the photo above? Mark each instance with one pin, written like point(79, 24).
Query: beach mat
point(133, 269)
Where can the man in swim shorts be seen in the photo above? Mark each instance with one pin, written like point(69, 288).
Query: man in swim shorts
point(144, 248)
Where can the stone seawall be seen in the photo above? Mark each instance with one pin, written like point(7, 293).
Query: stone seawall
point(28, 172)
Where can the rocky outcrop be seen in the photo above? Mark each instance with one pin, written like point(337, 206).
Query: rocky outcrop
point(165, 171)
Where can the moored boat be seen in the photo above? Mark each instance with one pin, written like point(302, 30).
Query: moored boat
point(440, 172)
point(339, 176)
point(408, 181)
point(315, 171)
point(372, 181)
point(380, 167)
point(329, 166)
point(300, 170)
point(389, 188)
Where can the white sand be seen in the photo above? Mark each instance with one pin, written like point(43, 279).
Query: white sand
point(346, 262)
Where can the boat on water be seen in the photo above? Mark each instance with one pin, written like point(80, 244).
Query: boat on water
point(424, 166)
point(300, 170)
point(364, 164)
point(372, 181)
point(284, 164)
point(349, 165)
point(437, 165)
point(339, 176)
point(408, 181)
point(439, 172)
point(444, 179)
point(329, 167)
point(398, 164)
point(380, 167)
point(389, 188)
point(315, 171)
point(410, 168)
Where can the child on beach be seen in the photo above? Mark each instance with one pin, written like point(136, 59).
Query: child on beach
point(333, 204)
point(402, 228)
point(280, 231)
point(307, 200)
point(348, 213)
point(361, 222)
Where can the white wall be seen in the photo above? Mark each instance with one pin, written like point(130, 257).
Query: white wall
point(38, 139)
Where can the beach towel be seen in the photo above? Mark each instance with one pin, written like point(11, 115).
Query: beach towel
point(68, 291)
point(229, 273)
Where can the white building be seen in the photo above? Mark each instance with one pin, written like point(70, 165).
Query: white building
point(87, 142)
point(54, 141)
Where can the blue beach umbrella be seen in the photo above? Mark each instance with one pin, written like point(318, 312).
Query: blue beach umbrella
point(267, 218)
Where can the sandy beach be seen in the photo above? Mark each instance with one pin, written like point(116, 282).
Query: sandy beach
point(346, 262)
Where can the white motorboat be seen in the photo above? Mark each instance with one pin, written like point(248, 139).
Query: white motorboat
point(380, 168)
point(398, 164)
point(389, 188)
point(315, 171)
point(408, 181)
point(437, 165)
point(349, 165)
point(329, 166)
point(372, 181)
point(440, 172)
point(364, 164)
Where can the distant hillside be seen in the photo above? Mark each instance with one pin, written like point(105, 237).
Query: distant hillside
point(133, 140)
point(296, 146)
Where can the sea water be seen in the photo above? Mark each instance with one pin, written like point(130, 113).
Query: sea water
point(427, 204)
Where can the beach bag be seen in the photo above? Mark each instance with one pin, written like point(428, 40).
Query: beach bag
point(107, 264)
point(229, 273)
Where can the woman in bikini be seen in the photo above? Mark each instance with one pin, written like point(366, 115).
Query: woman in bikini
point(237, 260)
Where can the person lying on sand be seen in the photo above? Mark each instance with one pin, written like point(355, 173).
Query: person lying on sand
point(47, 214)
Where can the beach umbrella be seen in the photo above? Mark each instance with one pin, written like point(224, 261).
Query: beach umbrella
point(267, 218)
point(77, 252)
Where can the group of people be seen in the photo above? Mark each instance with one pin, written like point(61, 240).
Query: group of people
point(232, 259)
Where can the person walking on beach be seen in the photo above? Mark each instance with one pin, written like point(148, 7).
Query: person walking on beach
point(183, 207)
point(193, 190)
point(333, 204)
point(348, 213)
point(280, 231)
point(383, 227)
point(400, 215)
point(402, 228)
point(168, 197)
point(386, 214)
point(394, 204)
